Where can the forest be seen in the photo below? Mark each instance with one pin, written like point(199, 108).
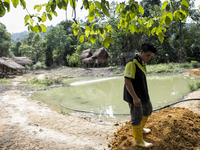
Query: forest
point(60, 45)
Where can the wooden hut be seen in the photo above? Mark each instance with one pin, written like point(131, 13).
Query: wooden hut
point(9, 66)
point(100, 56)
point(125, 57)
point(22, 60)
point(86, 54)
point(84, 57)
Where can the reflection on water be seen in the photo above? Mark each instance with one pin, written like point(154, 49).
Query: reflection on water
point(105, 95)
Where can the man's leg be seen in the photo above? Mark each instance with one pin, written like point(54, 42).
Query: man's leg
point(147, 110)
point(136, 117)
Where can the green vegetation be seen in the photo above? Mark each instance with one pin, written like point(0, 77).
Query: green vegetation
point(118, 70)
point(48, 81)
point(162, 68)
point(194, 86)
point(4, 81)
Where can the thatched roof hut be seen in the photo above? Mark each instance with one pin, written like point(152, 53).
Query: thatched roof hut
point(12, 64)
point(101, 54)
point(86, 54)
point(22, 60)
point(88, 60)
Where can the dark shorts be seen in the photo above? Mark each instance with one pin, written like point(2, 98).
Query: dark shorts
point(138, 112)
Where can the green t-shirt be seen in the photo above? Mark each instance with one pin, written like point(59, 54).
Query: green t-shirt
point(136, 71)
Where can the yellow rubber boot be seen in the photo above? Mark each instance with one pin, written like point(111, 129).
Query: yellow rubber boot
point(143, 122)
point(138, 136)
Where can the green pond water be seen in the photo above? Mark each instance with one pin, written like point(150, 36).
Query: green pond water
point(105, 95)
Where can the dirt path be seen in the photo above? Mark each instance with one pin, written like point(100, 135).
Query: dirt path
point(28, 124)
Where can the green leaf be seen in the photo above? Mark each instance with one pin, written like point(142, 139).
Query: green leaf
point(161, 37)
point(128, 18)
point(44, 28)
point(148, 32)
point(60, 4)
point(199, 6)
point(168, 21)
point(49, 16)
point(168, 7)
point(39, 8)
point(6, 3)
point(176, 15)
point(23, 4)
point(75, 31)
point(81, 39)
point(98, 5)
point(15, 3)
point(31, 21)
point(106, 42)
point(87, 33)
point(93, 38)
point(185, 3)
point(141, 9)
point(117, 9)
point(164, 5)
point(53, 7)
point(73, 3)
point(2, 10)
point(97, 13)
point(109, 28)
point(170, 15)
point(91, 16)
point(105, 11)
point(91, 7)
point(132, 29)
point(35, 7)
point(55, 13)
point(48, 7)
point(44, 18)
point(26, 18)
point(153, 30)
point(36, 29)
point(74, 24)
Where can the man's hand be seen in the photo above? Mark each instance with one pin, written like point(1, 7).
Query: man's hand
point(137, 102)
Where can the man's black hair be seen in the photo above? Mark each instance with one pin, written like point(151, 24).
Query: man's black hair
point(148, 46)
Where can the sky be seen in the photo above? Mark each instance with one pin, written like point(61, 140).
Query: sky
point(14, 20)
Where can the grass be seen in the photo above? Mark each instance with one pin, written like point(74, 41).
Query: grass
point(162, 68)
point(4, 81)
point(47, 81)
point(194, 86)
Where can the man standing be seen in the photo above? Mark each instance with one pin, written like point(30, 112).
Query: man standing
point(136, 92)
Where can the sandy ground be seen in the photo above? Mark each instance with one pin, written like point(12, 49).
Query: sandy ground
point(29, 124)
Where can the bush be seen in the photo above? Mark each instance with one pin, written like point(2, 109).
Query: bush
point(185, 65)
point(39, 65)
point(195, 64)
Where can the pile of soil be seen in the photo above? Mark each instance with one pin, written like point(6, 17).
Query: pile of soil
point(172, 128)
point(193, 72)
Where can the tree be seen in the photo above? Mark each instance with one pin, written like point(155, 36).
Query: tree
point(57, 40)
point(130, 15)
point(38, 45)
point(147, 5)
point(15, 48)
point(5, 41)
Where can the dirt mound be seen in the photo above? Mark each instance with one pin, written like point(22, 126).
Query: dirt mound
point(172, 128)
point(193, 72)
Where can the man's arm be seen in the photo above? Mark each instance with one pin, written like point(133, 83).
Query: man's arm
point(131, 90)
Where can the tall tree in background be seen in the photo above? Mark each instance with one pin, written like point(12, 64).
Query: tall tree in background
point(5, 41)
point(57, 40)
point(38, 45)
point(147, 5)
point(15, 48)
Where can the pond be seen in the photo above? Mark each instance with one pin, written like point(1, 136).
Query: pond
point(105, 95)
